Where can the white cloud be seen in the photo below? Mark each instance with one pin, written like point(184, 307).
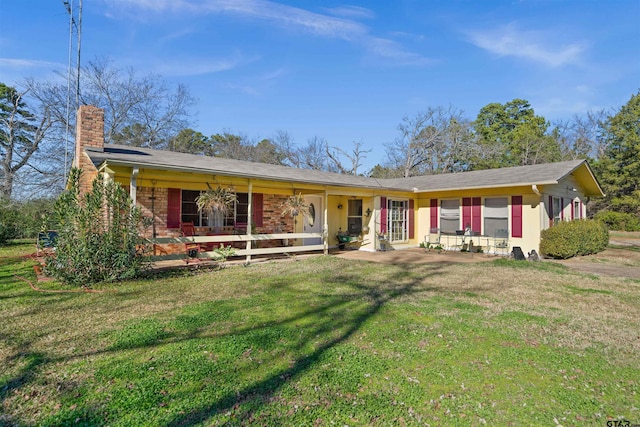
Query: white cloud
point(285, 16)
point(274, 75)
point(244, 89)
point(351, 12)
point(280, 14)
point(536, 46)
point(195, 67)
point(25, 64)
point(391, 50)
point(13, 71)
point(177, 34)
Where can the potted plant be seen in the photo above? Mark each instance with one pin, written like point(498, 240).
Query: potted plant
point(295, 205)
point(216, 200)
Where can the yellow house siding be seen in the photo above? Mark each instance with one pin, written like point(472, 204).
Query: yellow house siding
point(534, 213)
point(531, 217)
point(531, 214)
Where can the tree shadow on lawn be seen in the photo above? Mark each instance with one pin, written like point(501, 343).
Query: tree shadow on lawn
point(31, 361)
point(332, 320)
point(340, 318)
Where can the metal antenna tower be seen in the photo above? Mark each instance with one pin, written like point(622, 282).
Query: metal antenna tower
point(75, 27)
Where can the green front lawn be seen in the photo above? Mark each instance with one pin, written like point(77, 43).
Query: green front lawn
point(323, 341)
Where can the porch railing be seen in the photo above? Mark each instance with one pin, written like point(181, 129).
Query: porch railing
point(247, 252)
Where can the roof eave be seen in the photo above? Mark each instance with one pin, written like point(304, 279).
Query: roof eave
point(190, 169)
point(479, 187)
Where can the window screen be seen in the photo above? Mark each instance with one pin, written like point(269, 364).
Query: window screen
point(496, 215)
point(354, 218)
point(449, 216)
point(557, 210)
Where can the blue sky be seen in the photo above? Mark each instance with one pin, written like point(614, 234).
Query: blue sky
point(345, 71)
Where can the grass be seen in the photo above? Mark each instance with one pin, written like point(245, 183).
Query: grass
point(625, 234)
point(323, 341)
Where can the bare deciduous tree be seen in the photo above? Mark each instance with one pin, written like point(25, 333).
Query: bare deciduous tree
point(139, 110)
point(354, 158)
point(22, 133)
point(583, 135)
point(147, 104)
point(430, 142)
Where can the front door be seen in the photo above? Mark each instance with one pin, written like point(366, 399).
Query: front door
point(313, 222)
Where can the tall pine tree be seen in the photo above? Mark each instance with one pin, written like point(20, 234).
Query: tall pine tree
point(620, 167)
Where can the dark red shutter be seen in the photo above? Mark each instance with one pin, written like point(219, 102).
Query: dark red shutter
point(562, 208)
point(476, 216)
point(173, 207)
point(434, 213)
point(412, 217)
point(466, 212)
point(516, 216)
point(258, 209)
point(383, 215)
point(550, 210)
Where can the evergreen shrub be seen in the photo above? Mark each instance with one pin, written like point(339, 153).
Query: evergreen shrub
point(619, 221)
point(8, 219)
point(568, 239)
point(99, 235)
point(24, 219)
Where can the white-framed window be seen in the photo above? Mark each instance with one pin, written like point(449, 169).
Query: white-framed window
point(577, 212)
point(397, 221)
point(496, 215)
point(557, 209)
point(190, 212)
point(449, 216)
point(354, 216)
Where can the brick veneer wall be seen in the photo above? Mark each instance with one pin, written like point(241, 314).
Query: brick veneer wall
point(89, 134)
point(273, 222)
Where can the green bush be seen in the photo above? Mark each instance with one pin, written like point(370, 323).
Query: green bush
point(9, 217)
point(24, 219)
point(619, 221)
point(99, 235)
point(568, 239)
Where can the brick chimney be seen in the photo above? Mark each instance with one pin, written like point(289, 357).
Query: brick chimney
point(89, 137)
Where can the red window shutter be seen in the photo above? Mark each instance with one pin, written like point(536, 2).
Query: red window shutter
point(434, 213)
point(466, 212)
point(258, 209)
point(550, 210)
point(174, 198)
point(383, 215)
point(562, 208)
point(516, 216)
point(412, 217)
point(476, 217)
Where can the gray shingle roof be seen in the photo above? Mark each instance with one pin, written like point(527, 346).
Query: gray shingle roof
point(549, 173)
point(159, 159)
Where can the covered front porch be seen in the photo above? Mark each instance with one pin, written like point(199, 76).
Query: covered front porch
point(256, 224)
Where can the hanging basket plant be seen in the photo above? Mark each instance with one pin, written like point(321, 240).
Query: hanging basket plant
point(295, 205)
point(216, 200)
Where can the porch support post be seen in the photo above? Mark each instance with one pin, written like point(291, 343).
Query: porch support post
point(249, 222)
point(134, 185)
point(325, 230)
